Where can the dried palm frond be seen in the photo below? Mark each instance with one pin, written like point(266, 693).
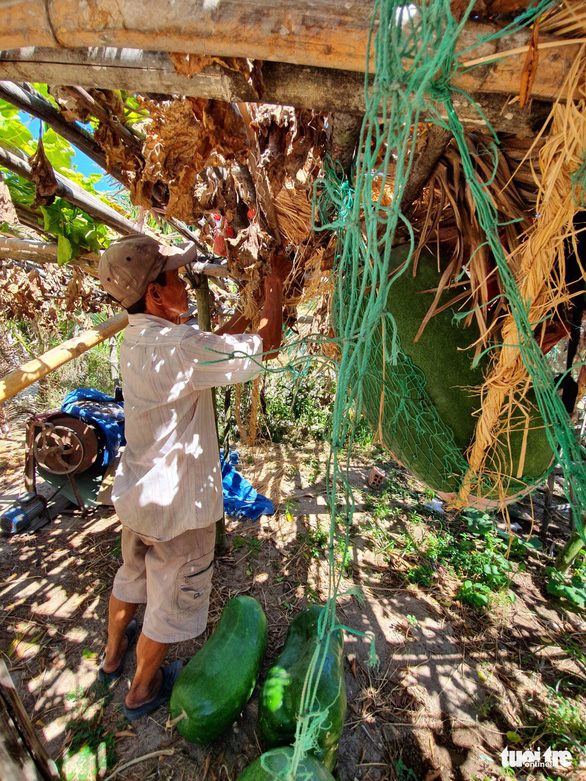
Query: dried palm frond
point(541, 278)
point(293, 208)
point(568, 19)
point(445, 220)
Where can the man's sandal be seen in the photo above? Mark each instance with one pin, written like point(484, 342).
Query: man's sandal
point(170, 673)
point(109, 679)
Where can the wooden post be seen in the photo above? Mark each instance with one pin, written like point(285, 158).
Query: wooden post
point(204, 322)
point(22, 755)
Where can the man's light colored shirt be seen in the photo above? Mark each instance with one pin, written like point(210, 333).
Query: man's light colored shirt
point(169, 478)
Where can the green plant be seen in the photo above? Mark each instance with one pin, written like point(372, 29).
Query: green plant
point(90, 751)
point(290, 507)
point(475, 594)
point(422, 575)
point(572, 591)
point(314, 541)
point(295, 408)
point(75, 230)
point(403, 772)
point(563, 722)
point(212, 690)
point(315, 469)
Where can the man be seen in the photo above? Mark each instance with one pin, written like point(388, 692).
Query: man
point(168, 488)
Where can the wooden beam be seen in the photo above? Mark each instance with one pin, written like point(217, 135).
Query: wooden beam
point(322, 89)
point(30, 372)
point(71, 192)
point(317, 33)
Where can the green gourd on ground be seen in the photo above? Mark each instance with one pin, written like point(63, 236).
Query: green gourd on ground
point(280, 696)
point(273, 766)
point(431, 395)
point(218, 681)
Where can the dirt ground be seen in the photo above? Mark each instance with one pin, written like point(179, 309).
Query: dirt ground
point(450, 683)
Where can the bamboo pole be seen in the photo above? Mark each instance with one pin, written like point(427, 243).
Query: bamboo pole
point(30, 372)
point(38, 106)
point(44, 252)
point(16, 161)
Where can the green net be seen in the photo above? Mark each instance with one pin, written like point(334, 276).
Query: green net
point(414, 63)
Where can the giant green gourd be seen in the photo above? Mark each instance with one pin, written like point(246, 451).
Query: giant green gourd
point(280, 696)
point(273, 765)
point(431, 395)
point(218, 681)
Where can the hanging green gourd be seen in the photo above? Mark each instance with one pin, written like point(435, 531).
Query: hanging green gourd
point(425, 405)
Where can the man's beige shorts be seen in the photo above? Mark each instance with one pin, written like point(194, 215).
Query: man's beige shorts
point(173, 578)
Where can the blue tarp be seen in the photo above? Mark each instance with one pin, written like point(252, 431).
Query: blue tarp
point(240, 498)
point(107, 414)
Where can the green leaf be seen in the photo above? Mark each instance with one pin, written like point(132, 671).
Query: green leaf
point(574, 591)
point(64, 250)
point(512, 737)
point(479, 523)
point(59, 151)
point(52, 219)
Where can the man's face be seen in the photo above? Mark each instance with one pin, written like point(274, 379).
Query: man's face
point(173, 296)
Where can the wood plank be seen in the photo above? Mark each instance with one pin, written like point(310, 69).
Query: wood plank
point(317, 33)
point(322, 89)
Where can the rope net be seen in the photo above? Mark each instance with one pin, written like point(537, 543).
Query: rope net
point(414, 62)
